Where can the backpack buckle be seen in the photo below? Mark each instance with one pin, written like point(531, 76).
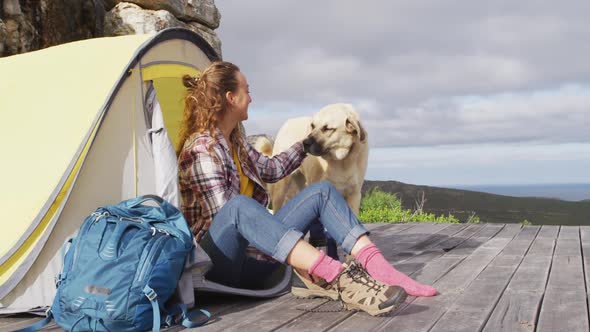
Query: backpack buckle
point(150, 293)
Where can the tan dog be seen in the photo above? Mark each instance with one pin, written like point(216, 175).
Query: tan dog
point(339, 151)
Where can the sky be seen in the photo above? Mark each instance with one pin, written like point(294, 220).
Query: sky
point(451, 92)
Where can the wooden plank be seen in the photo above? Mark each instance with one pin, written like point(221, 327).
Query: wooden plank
point(317, 321)
point(522, 242)
point(379, 227)
point(516, 311)
point(440, 236)
point(389, 229)
point(472, 307)
point(549, 231)
point(428, 274)
point(381, 233)
point(438, 268)
point(469, 231)
point(465, 248)
point(585, 239)
point(374, 226)
point(18, 322)
point(518, 307)
point(243, 314)
point(564, 306)
point(391, 243)
point(402, 252)
point(425, 312)
point(420, 258)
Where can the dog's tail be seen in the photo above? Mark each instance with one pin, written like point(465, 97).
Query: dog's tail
point(262, 143)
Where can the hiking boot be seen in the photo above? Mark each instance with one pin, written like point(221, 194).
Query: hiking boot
point(307, 289)
point(359, 291)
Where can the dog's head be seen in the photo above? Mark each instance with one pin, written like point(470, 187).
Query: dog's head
point(334, 131)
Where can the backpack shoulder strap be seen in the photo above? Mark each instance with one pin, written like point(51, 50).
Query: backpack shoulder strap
point(188, 322)
point(153, 297)
point(187, 316)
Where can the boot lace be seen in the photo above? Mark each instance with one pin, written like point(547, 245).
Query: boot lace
point(359, 275)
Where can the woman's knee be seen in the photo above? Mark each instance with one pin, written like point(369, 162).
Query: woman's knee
point(326, 187)
point(231, 209)
point(238, 201)
point(241, 205)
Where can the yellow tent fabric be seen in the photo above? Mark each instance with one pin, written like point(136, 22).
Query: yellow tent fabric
point(44, 125)
point(170, 90)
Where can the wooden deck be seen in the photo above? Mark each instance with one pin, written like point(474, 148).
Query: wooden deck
point(491, 277)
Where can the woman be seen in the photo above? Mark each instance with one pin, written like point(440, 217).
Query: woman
point(223, 200)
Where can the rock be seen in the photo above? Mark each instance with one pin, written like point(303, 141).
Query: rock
point(3, 36)
point(128, 18)
point(11, 8)
point(20, 36)
point(209, 35)
point(202, 11)
point(109, 4)
point(30, 25)
point(84, 20)
point(16, 33)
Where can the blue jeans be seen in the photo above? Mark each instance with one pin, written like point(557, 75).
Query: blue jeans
point(242, 221)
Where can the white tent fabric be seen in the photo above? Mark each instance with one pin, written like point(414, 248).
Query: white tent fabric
point(165, 162)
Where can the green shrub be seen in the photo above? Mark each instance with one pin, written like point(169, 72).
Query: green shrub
point(379, 206)
point(473, 219)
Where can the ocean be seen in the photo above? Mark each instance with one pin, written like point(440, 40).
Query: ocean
point(567, 192)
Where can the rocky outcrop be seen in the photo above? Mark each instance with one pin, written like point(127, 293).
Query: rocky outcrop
point(30, 25)
point(127, 18)
point(201, 11)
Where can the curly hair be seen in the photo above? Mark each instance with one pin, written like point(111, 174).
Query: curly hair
point(206, 103)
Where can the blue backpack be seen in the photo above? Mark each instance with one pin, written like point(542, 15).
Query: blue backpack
point(122, 268)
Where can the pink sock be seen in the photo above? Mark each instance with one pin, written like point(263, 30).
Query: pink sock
point(325, 267)
point(371, 258)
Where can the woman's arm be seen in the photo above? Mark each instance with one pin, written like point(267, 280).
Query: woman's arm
point(272, 169)
point(207, 178)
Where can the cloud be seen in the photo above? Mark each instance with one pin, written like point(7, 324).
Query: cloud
point(482, 164)
point(421, 73)
point(553, 116)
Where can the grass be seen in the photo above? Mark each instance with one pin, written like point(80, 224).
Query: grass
point(380, 206)
point(489, 208)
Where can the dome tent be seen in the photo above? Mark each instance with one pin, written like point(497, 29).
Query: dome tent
point(76, 135)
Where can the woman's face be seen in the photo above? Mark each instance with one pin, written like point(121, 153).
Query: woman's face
point(240, 99)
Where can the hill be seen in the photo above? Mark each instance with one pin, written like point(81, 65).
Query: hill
point(488, 207)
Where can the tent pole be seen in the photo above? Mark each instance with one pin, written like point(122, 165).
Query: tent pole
point(133, 126)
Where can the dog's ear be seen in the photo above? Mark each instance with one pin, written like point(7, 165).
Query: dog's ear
point(354, 127)
point(362, 132)
point(311, 127)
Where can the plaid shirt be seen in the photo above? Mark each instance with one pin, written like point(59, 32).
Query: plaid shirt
point(207, 183)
